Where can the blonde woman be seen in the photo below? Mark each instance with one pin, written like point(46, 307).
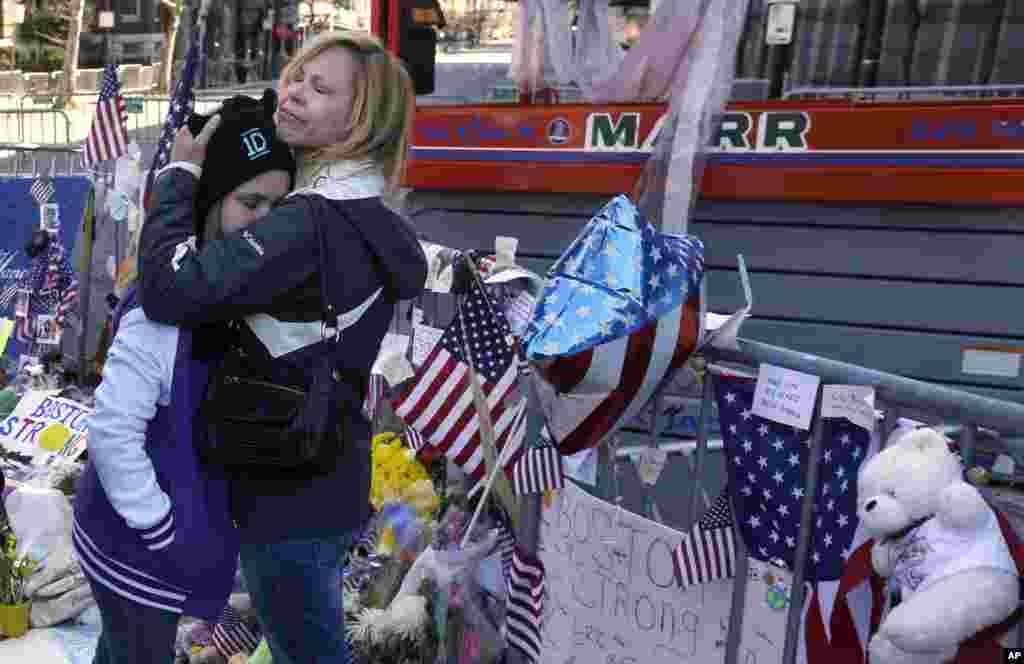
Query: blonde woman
point(346, 107)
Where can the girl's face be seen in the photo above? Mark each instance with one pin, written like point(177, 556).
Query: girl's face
point(252, 200)
point(316, 102)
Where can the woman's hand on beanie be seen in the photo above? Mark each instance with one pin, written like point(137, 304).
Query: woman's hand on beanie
point(193, 148)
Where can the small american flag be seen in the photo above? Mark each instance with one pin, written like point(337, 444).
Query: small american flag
point(439, 404)
point(108, 138)
point(42, 190)
point(539, 470)
point(232, 635)
point(413, 439)
point(374, 395)
point(182, 104)
point(525, 604)
point(68, 302)
point(708, 551)
point(506, 541)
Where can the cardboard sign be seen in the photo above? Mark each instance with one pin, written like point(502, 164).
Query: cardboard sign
point(44, 426)
point(854, 402)
point(785, 396)
point(612, 594)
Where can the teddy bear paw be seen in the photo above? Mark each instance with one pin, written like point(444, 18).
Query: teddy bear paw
point(883, 651)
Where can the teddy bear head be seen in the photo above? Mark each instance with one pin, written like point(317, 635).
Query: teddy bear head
point(902, 483)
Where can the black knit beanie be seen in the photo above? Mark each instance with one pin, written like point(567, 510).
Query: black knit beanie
point(245, 145)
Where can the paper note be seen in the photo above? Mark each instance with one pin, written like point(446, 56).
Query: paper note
point(652, 461)
point(424, 338)
point(785, 396)
point(391, 361)
point(505, 250)
point(854, 402)
point(982, 362)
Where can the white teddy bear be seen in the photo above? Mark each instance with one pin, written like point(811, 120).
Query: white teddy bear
point(938, 538)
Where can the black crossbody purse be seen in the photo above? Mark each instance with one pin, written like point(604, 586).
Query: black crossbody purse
point(253, 423)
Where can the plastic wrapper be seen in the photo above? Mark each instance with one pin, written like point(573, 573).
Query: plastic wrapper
point(466, 617)
point(41, 519)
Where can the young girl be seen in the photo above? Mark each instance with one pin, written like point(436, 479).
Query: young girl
point(153, 527)
point(346, 107)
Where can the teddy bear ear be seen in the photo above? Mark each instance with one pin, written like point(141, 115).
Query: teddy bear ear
point(924, 440)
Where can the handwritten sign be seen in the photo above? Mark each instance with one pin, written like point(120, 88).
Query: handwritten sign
point(854, 402)
point(785, 396)
point(612, 595)
point(44, 426)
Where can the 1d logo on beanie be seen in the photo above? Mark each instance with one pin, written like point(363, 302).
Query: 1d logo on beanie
point(256, 143)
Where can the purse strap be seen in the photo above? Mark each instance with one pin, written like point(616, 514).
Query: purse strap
point(328, 312)
point(331, 320)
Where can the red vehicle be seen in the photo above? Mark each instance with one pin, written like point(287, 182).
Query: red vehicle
point(881, 221)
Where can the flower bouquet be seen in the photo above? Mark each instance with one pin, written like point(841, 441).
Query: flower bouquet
point(15, 571)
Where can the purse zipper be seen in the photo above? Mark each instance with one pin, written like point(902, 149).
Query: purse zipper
point(237, 379)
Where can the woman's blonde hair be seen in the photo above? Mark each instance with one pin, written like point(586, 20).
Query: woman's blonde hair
point(383, 103)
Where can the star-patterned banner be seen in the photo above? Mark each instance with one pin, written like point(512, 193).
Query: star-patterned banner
point(767, 465)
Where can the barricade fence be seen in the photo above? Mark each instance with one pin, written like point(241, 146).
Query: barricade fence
point(48, 119)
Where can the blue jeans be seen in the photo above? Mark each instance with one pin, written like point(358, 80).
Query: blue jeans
point(295, 586)
point(132, 633)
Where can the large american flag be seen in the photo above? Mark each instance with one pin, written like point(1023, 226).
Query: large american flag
point(767, 464)
point(708, 551)
point(182, 104)
point(620, 312)
point(439, 403)
point(108, 138)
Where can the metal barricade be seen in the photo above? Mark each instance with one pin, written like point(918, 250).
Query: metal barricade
point(37, 127)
